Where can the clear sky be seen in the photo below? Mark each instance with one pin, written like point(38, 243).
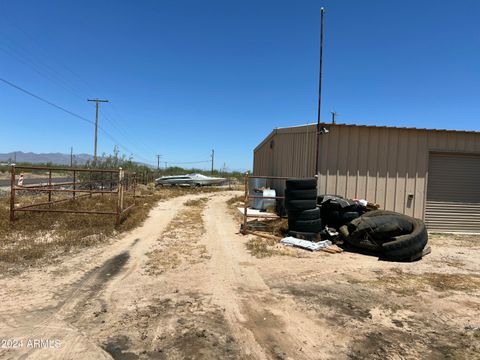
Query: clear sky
point(184, 77)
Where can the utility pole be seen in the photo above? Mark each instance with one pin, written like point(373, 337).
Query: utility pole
point(15, 157)
point(71, 156)
point(333, 116)
point(166, 164)
point(97, 100)
point(158, 162)
point(322, 11)
point(213, 158)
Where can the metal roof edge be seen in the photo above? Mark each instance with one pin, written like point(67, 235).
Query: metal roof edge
point(282, 129)
point(268, 137)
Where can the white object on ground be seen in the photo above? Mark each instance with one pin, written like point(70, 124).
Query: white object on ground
point(257, 213)
point(305, 244)
point(362, 202)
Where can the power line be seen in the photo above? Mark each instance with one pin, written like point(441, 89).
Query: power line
point(38, 63)
point(46, 101)
point(125, 133)
point(51, 74)
point(40, 67)
point(190, 162)
point(72, 114)
point(36, 68)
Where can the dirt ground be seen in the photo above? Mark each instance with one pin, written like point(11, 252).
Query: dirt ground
point(185, 286)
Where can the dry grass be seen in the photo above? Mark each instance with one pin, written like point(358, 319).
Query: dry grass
point(262, 247)
point(178, 244)
point(236, 200)
point(196, 202)
point(233, 203)
point(35, 238)
point(410, 284)
point(463, 240)
point(259, 246)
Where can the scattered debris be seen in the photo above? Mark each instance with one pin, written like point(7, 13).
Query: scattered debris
point(305, 244)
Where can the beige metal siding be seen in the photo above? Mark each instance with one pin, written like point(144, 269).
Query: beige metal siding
point(380, 164)
point(286, 154)
point(453, 196)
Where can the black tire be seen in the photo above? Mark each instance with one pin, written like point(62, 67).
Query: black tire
point(300, 205)
point(311, 214)
point(314, 226)
point(320, 197)
point(362, 243)
point(303, 194)
point(304, 235)
point(343, 231)
point(370, 232)
point(301, 184)
point(381, 228)
point(404, 246)
point(348, 216)
point(375, 213)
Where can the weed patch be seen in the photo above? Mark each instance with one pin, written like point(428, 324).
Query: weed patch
point(264, 247)
point(178, 244)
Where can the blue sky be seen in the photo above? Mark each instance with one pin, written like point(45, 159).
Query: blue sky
point(184, 77)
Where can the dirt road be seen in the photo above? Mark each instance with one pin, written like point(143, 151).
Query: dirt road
point(183, 285)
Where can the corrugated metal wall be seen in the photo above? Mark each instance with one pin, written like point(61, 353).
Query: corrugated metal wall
point(380, 164)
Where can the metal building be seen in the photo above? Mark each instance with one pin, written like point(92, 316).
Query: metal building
point(429, 174)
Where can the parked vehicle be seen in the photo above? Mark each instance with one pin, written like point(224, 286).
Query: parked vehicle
point(194, 180)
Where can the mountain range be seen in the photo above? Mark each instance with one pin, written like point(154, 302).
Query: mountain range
point(34, 158)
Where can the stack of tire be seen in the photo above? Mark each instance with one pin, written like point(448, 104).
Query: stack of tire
point(336, 211)
point(394, 236)
point(301, 205)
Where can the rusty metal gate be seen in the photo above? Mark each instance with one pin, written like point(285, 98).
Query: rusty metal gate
point(81, 182)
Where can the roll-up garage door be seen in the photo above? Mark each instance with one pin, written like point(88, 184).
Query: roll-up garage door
point(453, 193)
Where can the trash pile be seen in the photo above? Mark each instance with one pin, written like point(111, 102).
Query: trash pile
point(358, 224)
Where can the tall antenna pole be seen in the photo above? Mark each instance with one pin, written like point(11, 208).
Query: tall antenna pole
point(71, 156)
point(317, 148)
point(96, 126)
point(158, 161)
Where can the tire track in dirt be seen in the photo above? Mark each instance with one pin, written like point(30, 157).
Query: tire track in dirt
point(72, 319)
point(174, 318)
point(265, 324)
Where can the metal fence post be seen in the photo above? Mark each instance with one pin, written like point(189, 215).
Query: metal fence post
point(245, 205)
point(49, 185)
point(74, 183)
point(119, 195)
point(12, 193)
point(134, 186)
